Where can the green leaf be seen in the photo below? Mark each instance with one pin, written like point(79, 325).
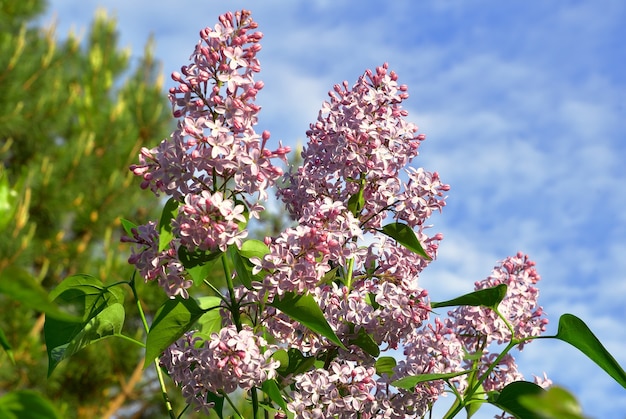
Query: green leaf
point(20, 286)
point(474, 403)
point(241, 261)
point(575, 332)
point(198, 264)
point(219, 403)
point(99, 314)
point(171, 321)
point(85, 291)
point(409, 382)
point(356, 202)
point(170, 210)
point(211, 320)
point(128, 226)
point(305, 310)
point(365, 341)
point(26, 404)
point(4, 342)
point(270, 387)
point(404, 235)
point(385, 365)
point(509, 399)
point(253, 248)
point(292, 362)
point(243, 267)
point(555, 403)
point(64, 339)
point(488, 297)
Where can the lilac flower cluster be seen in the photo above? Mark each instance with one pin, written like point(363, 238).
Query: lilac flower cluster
point(162, 266)
point(226, 361)
point(214, 102)
point(361, 143)
point(478, 327)
point(343, 390)
point(209, 222)
point(214, 157)
point(354, 178)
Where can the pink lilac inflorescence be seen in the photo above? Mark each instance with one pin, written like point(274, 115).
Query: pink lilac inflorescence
point(215, 144)
point(478, 327)
point(353, 180)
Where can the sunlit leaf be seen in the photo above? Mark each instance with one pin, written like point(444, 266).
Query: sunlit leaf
point(554, 403)
point(411, 381)
point(575, 332)
point(170, 210)
point(171, 321)
point(509, 399)
point(304, 309)
point(488, 297)
point(211, 321)
point(405, 235)
point(385, 365)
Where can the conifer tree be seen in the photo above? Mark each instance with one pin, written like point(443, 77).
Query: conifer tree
point(73, 115)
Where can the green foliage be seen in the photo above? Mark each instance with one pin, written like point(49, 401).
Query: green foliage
point(575, 332)
point(488, 297)
point(405, 235)
point(26, 404)
point(74, 114)
point(101, 314)
point(174, 318)
point(304, 309)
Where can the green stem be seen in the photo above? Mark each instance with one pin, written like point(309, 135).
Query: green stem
point(234, 310)
point(230, 402)
point(128, 338)
point(166, 398)
point(456, 408)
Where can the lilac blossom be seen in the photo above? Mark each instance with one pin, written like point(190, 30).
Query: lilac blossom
point(362, 141)
point(215, 138)
point(479, 327)
point(228, 360)
point(153, 264)
point(209, 222)
point(354, 179)
point(343, 390)
point(432, 349)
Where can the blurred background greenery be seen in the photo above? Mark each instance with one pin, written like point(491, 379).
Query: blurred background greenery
point(73, 115)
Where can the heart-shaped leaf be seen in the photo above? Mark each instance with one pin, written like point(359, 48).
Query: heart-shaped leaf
point(171, 321)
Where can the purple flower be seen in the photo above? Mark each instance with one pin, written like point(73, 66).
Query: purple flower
point(228, 360)
point(209, 222)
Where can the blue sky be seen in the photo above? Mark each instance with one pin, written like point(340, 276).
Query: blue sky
point(524, 108)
